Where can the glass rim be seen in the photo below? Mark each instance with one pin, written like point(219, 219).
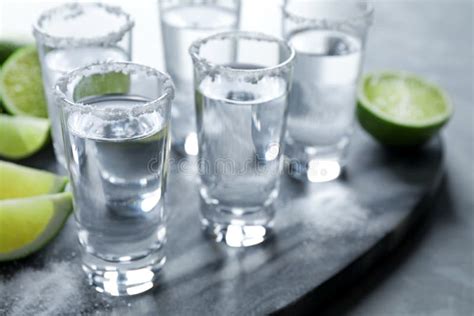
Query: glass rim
point(41, 34)
point(61, 86)
point(365, 13)
point(194, 51)
point(235, 11)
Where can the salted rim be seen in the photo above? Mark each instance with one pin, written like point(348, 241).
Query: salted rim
point(194, 51)
point(365, 13)
point(124, 67)
point(64, 41)
point(234, 10)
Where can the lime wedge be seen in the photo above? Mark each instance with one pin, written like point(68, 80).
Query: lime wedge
point(28, 224)
point(19, 181)
point(401, 109)
point(101, 84)
point(22, 136)
point(21, 85)
point(6, 49)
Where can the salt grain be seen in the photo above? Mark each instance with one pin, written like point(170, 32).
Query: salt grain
point(55, 290)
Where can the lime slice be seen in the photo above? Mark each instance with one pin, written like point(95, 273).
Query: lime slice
point(102, 84)
point(18, 181)
point(22, 136)
point(401, 109)
point(6, 49)
point(28, 224)
point(20, 84)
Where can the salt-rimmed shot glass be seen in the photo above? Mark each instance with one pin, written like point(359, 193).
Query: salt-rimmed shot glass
point(241, 109)
point(182, 22)
point(329, 39)
point(115, 122)
point(74, 35)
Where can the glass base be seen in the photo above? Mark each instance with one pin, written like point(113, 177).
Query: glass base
point(236, 226)
point(315, 170)
point(316, 163)
point(236, 235)
point(123, 278)
point(186, 146)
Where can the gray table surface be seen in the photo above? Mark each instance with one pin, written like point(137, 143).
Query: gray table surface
point(319, 229)
point(433, 272)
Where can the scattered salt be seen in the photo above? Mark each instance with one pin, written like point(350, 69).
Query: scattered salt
point(335, 211)
point(55, 290)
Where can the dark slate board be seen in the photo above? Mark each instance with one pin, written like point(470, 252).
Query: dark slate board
point(325, 236)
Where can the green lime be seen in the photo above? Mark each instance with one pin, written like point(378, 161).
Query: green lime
point(101, 84)
point(198, 100)
point(22, 136)
point(21, 85)
point(155, 137)
point(28, 224)
point(401, 109)
point(6, 49)
point(19, 181)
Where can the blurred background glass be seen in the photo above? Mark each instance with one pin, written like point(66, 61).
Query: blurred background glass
point(17, 17)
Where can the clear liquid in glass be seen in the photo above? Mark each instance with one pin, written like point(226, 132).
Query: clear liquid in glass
point(322, 101)
point(240, 127)
point(118, 175)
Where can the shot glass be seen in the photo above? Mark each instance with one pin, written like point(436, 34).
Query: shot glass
point(115, 121)
point(329, 39)
point(182, 22)
point(241, 83)
point(74, 35)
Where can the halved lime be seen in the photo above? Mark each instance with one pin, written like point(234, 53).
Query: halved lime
point(28, 224)
point(22, 136)
point(19, 181)
point(401, 109)
point(21, 85)
point(6, 49)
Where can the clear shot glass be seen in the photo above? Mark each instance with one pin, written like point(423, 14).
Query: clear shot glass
point(329, 39)
point(74, 35)
point(182, 22)
point(241, 83)
point(115, 121)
